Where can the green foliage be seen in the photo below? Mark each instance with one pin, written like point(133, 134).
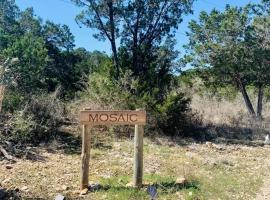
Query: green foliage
point(13, 100)
point(105, 92)
point(58, 36)
point(146, 38)
point(173, 114)
point(171, 117)
point(32, 54)
point(9, 26)
point(140, 74)
point(233, 48)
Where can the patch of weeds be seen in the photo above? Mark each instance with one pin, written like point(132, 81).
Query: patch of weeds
point(115, 181)
point(167, 188)
point(168, 185)
point(122, 193)
point(96, 153)
point(165, 150)
point(115, 189)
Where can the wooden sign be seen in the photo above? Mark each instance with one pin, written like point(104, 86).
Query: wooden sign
point(106, 117)
point(90, 118)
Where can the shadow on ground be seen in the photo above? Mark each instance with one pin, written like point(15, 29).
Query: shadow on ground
point(6, 194)
point(250, 136)
point(223, 134)
point(9, 194)
point(163, 187)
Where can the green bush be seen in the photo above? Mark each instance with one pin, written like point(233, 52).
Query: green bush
point(173, 115)
point(12, 101)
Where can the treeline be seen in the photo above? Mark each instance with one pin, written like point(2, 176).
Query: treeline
point(42, 69)
point(46, 58)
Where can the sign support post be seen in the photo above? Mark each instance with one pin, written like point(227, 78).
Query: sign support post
point(138, 156)
point(86, 146)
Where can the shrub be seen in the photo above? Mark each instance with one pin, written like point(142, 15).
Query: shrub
point(108, 93)
point(173, 115)
point(168, 117)
point(13, 100)
point(38, 121)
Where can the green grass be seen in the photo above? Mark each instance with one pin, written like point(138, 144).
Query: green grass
point(115, 188)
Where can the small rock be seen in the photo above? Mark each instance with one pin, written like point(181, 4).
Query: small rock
point(84, 191)
point(9, 167)
point(130, 184)
point(64, 187)
point(152, 171)
point(6, 181)
point(171, 144)
point(59, 197)
point(24, 188)
point(181, 181)
point(267, 139)
point(94, 187)
point(209, 144)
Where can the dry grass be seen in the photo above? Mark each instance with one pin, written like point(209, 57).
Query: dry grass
point(224, 111)
point(232, 114)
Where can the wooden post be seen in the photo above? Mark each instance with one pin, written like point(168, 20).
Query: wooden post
point(86, 129)
point(138, 156)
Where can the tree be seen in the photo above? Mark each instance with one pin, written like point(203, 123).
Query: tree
point(226, 43)
point(9, 27)
point(103, 16)
point(58, 36)
point(139, 26)
point(29, 23)
point(261, 44)
point(28, 73)
point(4, 67)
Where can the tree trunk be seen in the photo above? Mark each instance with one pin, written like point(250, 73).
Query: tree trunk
point(113, 44)
point(2, 95)
point(246, 98)
point(260, 102)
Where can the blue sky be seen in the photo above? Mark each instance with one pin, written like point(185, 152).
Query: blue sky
point(64, 12)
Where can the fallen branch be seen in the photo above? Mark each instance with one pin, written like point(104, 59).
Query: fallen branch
point(4, 152)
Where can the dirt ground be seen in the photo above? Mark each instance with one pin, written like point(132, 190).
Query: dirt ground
point(212, 171)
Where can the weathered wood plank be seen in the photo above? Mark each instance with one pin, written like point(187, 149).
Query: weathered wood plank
point(119, 117)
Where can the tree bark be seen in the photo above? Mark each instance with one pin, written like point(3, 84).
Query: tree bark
point(260, 102)
point(110, 34)
point(248, 103)
point(113, 44)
